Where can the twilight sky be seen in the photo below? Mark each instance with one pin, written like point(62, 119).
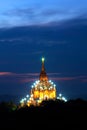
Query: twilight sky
point(55, 29)
point(28, 12)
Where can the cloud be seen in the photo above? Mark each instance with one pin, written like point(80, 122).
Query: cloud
point(53, 73)
point(28, 80)
point(28, 35)
point(63, 78)
point(74, 78)
point(9, 74)
point(34, 12)
point(53, 12)
point(30, 77)
point(20, 12)
point(51, 43)
point(4, 23)
point(84, 80)
point(11, 40)
point(9, 77)
point(23, 74)
point(18, 17)
point(36, 16)
point(5, 73)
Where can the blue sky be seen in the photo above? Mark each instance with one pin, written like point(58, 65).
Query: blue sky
point(56, 30)
point(28, 12)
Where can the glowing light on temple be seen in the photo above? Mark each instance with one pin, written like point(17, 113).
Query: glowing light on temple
point(43, 59)
point(60, 97)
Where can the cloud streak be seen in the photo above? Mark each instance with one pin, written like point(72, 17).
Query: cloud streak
point(30, 77)
point(84, 80)
point(5, 73)
point(11, 40)
point(53, 12)
point(20, 12)
point(35, 16)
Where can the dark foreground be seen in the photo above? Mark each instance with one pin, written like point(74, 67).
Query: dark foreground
point(54, 115)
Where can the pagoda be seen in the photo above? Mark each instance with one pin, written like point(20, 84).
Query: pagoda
point(42, 89)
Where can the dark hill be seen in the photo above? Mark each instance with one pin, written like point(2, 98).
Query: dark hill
point(51, 114)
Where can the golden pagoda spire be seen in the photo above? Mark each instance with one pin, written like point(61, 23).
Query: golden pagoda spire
point(43, 68)
point(43, 76)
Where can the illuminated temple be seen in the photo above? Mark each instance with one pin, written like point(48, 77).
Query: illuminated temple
point(42, 89)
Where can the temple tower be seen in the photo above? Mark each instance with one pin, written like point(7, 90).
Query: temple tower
point(42, 89)
point(43, 75)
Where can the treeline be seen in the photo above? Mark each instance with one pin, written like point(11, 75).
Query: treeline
point(50, 114)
